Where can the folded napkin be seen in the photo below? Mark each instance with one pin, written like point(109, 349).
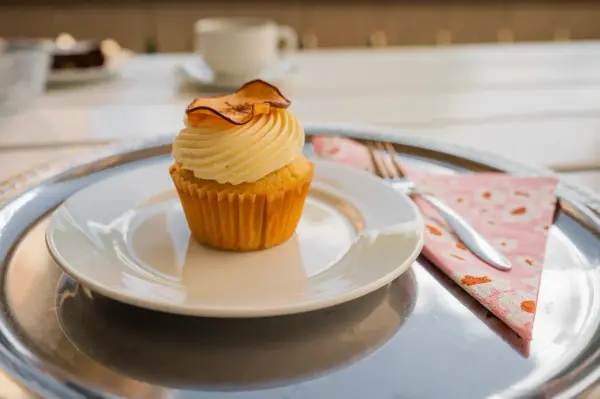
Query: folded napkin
point(513, 213)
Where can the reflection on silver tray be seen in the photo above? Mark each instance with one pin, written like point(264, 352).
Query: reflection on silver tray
point(63, 343)
point(221, 354)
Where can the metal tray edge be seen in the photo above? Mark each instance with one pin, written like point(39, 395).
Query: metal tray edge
point(585, 201)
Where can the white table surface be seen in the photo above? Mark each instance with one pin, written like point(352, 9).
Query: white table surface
point(535, 103)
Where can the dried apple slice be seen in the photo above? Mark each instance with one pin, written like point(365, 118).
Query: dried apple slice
point(253, 98)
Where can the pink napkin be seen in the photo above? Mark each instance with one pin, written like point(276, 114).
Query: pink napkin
point(513, 213)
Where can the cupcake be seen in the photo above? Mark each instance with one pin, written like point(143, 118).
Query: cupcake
point(239, 169)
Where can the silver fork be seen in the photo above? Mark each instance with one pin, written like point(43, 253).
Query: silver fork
point(386, 166)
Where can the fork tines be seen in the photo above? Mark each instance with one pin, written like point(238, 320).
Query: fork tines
point(384, 159)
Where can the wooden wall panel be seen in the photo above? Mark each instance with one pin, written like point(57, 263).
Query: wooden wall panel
point(127, 25)
point(408, 25)
point(337, 26)
point(26, 21)
point(583, 21)
point(174, 22)
point(478, 23)
point(343, 24)
point(531, 23)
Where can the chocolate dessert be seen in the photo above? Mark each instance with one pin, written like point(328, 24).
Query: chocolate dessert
point(80, 55)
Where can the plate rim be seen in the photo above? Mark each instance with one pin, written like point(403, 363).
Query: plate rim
point(82, 75)
point(237, 312)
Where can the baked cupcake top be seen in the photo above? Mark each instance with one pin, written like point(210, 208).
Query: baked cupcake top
point(240, 137)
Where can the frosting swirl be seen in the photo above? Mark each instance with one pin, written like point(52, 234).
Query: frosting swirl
point(238, 154)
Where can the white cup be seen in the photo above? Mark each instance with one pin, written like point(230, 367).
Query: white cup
point(242, 47)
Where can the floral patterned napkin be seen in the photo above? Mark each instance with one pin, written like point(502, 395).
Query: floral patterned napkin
point(513, 213)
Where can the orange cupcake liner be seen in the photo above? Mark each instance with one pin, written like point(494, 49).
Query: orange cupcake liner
point(225, 219)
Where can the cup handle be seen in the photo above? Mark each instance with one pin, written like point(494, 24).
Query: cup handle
point(289, 38)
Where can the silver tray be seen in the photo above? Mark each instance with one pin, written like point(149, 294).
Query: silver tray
point(419, 337)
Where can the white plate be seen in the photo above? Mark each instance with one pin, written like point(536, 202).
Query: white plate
point(88, 75)
point(198, 72)
point(126, 238)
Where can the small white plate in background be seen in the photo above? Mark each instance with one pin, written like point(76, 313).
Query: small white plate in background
point(197, 72)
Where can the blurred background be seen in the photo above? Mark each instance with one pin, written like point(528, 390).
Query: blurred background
point(166, 26)
point(504, 95)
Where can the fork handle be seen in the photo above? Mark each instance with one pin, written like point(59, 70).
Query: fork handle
point(469, 236)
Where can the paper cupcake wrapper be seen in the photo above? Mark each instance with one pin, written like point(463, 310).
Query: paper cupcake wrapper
point(240, 221)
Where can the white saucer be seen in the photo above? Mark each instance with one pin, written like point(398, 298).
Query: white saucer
point(198, 72)
point(126, 238)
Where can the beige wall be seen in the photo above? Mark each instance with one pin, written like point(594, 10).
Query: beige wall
point(349, 24)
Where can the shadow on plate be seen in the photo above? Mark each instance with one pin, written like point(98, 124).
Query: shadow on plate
point(230, 354)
